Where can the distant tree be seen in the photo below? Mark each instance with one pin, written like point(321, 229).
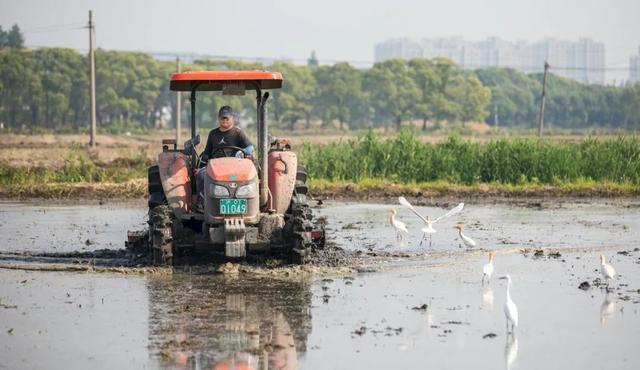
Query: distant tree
point(15, 39)
point(392, 90)
point(340, 92)
point(62, 99)
point(296, 99)
point(471, 96)
point(20, 86)
point(513, 94)
point(3, 38)
point(426, 78)
point(313, 61)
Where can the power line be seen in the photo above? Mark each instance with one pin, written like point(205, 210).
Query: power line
point(55, 27)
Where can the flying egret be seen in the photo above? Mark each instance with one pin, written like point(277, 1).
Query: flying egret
point(487, 269)
point(398, 225)
point(429, 230)
point(607, 271)
point(465, 239)
point(510, 308)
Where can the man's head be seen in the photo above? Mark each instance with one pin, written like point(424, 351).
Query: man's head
point(226, 118)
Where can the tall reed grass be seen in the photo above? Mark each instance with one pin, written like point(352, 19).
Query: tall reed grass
point(77, 166)
point(406, 159)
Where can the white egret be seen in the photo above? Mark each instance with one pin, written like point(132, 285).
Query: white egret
point(465, 239)
point(429, 230)
point(487, 269)
point(510, 308)
point(398, 225)
point(607, 271)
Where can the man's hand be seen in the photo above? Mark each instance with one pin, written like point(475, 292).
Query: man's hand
point(248, 150)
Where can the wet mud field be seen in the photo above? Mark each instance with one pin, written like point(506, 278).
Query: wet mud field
point(388, 304)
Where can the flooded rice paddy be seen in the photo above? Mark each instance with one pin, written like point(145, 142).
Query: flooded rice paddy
point(419, 306)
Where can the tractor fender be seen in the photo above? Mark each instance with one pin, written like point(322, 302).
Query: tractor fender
point(282, 178)
point(176, 182)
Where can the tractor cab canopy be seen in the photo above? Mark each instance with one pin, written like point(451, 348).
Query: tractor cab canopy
point(229, 82)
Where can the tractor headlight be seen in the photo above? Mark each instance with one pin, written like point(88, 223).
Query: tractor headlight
point(247, 191)
point(219, 191)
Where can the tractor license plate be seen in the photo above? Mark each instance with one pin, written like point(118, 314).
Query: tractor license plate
point(233, 206)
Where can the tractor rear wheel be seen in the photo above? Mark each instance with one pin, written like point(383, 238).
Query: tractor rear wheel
point(160, 235)
point(298, 220)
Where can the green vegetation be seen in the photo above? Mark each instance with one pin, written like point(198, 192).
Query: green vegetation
point(47, 89)
point(405, 159)
point(77, 167)
point(373, 167)
point(12, 38)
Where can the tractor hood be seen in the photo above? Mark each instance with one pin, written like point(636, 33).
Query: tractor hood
point(231, 169)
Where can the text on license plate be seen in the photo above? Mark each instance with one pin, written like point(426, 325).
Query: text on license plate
point(233, 206)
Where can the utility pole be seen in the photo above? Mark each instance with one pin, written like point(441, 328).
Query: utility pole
point(495, 117)
point(92, 82)
point(544, 93)
point(178, 106)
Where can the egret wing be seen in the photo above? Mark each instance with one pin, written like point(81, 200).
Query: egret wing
point(452, 212)
point(406, 203)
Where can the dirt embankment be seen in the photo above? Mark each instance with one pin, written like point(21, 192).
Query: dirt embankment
point(137, 189)
point(354, 191)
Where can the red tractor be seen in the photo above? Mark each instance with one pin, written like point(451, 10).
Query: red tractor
point(248, 206)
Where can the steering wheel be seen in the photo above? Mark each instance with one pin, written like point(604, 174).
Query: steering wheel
point(222, 149)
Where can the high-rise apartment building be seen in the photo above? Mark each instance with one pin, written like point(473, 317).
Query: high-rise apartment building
point(582, 60)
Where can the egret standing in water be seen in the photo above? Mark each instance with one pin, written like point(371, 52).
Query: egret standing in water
point(510, 308)
point(470, 243)
point(487, 269)
point(398, 225)
point(429, 230)
point(607, 271)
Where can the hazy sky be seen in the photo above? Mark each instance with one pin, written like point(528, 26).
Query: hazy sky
point(336, 29)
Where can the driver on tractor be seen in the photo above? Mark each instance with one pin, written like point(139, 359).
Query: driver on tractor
point(220, 143)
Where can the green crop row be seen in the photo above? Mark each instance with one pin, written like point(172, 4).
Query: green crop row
point(401, 159)
point(405, 159)
point(77, 167)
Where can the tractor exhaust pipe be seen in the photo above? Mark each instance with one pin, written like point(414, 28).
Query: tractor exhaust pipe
point(263, 148)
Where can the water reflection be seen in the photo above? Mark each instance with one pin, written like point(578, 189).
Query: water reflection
point(510, 350)
point(487, 298)
point(607, 308)
point(199, 322)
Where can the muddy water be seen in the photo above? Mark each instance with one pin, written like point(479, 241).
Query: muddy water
point(433, 312)
point(66, 227)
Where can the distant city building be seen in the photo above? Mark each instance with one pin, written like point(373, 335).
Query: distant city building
point(582, 60)
point(634, 68)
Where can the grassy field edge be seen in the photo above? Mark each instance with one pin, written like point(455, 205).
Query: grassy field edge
point(324, 189)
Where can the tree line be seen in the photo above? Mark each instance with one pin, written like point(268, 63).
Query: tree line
point(48, 88)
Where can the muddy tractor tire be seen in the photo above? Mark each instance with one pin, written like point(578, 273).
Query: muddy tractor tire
point(160, 235)
point(298, 221)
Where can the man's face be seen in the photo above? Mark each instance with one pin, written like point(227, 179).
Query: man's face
point(225, 122)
